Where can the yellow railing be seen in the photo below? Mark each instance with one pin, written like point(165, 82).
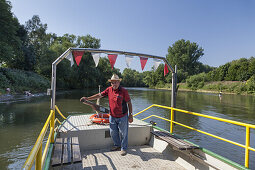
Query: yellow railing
point(247, 126)
point(36, 155)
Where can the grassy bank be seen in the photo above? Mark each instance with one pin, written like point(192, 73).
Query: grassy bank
point(19, 81)
point(227, 87)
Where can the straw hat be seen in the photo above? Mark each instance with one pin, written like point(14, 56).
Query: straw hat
point(115, 77)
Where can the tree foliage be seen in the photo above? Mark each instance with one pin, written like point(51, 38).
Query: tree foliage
point(237, 70)
point(132, 78)
point(185, 55)
point(10, 43)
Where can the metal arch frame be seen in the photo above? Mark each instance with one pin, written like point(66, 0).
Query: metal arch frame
point(66, 53)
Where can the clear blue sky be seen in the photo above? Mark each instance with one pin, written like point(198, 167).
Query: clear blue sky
point(225, 29)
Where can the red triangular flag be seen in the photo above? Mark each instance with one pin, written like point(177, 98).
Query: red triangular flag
point(112, 59)
point(77, 56)
point(165, 70)
point(143, 61)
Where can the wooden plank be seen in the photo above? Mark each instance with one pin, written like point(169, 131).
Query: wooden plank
point(57, 154)
point(76, 150)
point(173, 140)
point(67, 151)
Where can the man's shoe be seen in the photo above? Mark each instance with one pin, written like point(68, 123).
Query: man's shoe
point(123, 153)
point(115, 148)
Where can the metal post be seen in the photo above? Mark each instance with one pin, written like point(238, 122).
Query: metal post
point(38, 162)
point(172, 119)
point(174, 82)
point(247, 146)
point(53, 86)
point(52, 126)
point(173, 96)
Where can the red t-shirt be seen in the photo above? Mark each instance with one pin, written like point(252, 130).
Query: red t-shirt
point(117, 100)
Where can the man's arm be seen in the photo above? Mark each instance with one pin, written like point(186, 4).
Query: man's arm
point(94, 97)
point(130, 117)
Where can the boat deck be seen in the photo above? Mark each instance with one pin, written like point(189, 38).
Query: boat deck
point(95, 144)
point(82, 122)
point(138, 157)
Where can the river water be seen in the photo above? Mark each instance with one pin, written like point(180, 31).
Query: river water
point(22, 118)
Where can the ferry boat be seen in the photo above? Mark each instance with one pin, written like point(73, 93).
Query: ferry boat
point(76, 143)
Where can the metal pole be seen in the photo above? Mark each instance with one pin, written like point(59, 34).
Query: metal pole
point(53, 86)
point(173, 97)
point(174, 84)
point(247, 145)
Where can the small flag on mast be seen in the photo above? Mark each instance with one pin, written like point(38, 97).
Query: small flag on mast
point(165, 70)
point(96, 57)
point(128, 59)
point(112, 59)
point(77, 56)
point(143, 61)
point(156, 64)
point(70, 58)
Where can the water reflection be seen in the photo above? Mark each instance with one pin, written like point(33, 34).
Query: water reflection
point(21, 121)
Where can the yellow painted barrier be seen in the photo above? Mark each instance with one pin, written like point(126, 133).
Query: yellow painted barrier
point(248, 126)
point(60, 112)
point(36, 155)
point(37, 147)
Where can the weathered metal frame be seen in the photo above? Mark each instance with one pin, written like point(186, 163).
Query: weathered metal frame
point(66, 53)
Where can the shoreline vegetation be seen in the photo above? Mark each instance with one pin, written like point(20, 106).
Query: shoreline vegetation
point(21, 82)
point(223, 87)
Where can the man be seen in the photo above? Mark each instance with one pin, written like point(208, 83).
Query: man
point(118, 101)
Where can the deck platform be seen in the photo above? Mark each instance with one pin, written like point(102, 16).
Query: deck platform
point(93, 136)
point(138, 157)
point(82, 122)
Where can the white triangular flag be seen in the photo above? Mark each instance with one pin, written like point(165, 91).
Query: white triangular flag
point(70, 58)
point(96, 57)
point(156, 63)
point(128, 59)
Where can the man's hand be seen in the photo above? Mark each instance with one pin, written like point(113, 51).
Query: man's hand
point(130, 118)
point(83, 99)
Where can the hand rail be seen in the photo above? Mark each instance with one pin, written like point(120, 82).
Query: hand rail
point(38, 146)
point(248, 126)
point(36, 155)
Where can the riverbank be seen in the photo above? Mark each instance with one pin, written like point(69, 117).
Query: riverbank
point(225, 87)
point(13, 81)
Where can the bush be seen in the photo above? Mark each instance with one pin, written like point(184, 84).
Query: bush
point(4, 83)
point(20, 81)
point(250, 84)
point(197, 81)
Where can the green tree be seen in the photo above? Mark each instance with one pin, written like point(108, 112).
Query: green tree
point(185, 55)
point(238, 70)
point(10, 43)
point(132, 78)
point(37, 38)
point(147, 79)
point(251, 69)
